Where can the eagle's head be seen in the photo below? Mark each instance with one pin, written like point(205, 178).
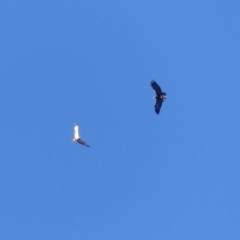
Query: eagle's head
point(164, 96)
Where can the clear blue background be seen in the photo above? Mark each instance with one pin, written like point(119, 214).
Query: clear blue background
point(173, 176)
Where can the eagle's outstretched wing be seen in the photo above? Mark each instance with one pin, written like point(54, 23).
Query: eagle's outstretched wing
point(158, 105)
point(82, 142)
point(156, 87)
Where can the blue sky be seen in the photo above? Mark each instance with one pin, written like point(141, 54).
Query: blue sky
point(146, 176)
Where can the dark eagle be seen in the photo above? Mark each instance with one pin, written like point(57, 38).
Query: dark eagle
point(76, 136)
point(160, 96)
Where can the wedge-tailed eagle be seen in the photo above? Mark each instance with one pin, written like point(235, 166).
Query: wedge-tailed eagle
point(160, 96)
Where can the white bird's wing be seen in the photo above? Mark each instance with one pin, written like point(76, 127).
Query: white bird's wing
point(76, 132)
point(82, 142)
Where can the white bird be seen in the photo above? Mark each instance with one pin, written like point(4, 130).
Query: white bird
point(76, 136)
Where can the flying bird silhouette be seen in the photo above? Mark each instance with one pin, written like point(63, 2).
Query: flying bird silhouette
point(76, 137)
point(160, 96)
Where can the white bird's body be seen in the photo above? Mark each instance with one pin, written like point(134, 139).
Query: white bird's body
point(76, 136)
point(76, 133)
